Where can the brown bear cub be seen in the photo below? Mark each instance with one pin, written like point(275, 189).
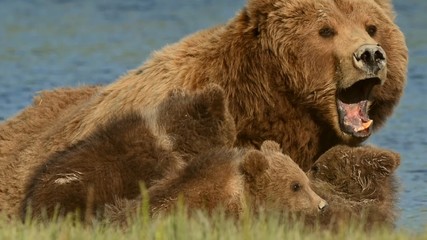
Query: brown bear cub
point(358, 183)
point(231, 179)
point(113, 161)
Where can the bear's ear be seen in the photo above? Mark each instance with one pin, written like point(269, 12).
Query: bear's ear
point(175, 98)
point(384, 163)
point(254, 163)
point(260, 8)
point(270, 146)
point(177, 93)
point(387, 6)
point(389, 161)
point(255, 14)
point(211, 102)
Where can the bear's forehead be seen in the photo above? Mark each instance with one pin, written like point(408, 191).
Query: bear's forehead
point(284, 165)
point(324, 9)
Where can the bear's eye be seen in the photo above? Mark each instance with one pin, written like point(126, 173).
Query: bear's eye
point(371, 30)
point(327, 32)
point(296, 187)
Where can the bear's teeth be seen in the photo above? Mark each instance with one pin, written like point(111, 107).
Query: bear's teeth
point(365, 125)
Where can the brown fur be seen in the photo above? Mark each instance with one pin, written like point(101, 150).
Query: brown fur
point(280, 76)
point(20, 132)
point(359, 184)
point(116, 158)
point(45, 109)
point(230, 179)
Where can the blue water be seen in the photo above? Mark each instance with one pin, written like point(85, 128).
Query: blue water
point(53, 43)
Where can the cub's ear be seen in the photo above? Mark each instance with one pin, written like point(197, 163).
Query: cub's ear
point(254, 15)
point(270, 146)
point(389, 161)
point(383, 163)
point(175, 99)
point(177, 93)
point(211, 102)
point(259, 8)
point(254, 164)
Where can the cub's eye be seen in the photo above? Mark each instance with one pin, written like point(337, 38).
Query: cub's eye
point(295, 187)
point(327, 32)
point(371, 30)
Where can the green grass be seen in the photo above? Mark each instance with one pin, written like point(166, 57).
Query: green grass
point(198, 226)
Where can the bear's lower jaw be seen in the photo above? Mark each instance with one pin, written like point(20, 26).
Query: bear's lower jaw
point(353, 106)
point(354, 118)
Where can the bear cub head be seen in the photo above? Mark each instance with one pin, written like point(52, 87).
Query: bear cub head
point(359, 172)
point(277, 182)
point(233, 178)
point(196, 121)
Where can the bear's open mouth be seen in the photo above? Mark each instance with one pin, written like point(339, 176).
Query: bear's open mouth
point(353, 107)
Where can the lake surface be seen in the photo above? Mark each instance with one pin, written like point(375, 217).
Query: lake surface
point(53, 43)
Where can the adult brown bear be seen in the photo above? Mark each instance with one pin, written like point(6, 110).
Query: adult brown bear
point(309, 74)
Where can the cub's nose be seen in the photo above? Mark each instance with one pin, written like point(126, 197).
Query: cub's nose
point(322, 205)
point(370, 58)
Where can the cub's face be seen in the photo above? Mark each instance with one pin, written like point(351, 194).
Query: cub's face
point(345, 59)
point(278, 182)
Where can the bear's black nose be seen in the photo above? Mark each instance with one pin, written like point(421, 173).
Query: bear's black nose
point(322, 205)
point(370, 58)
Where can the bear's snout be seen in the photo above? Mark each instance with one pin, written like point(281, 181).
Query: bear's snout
point(322, 205)
point(370, 58)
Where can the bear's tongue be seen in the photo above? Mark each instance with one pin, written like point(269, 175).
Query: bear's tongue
point(354, 118)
